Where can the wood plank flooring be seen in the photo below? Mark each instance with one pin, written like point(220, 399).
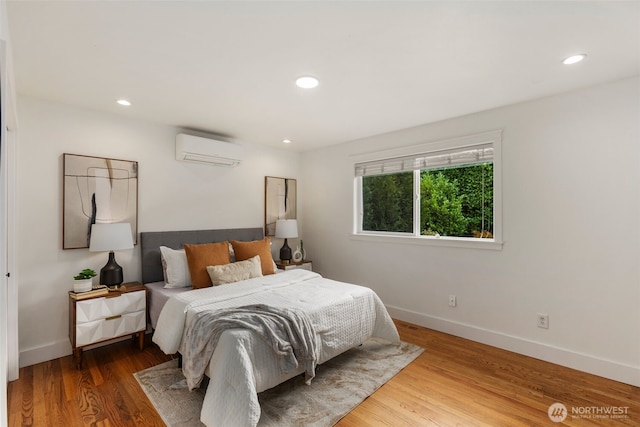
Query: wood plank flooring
point(455, 382)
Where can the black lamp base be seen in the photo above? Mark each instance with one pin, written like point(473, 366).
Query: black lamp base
point(285, 252)
point(111, 273)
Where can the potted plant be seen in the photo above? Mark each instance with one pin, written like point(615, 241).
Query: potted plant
point(82, 282)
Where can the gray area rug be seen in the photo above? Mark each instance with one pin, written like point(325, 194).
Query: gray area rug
point(340, 385)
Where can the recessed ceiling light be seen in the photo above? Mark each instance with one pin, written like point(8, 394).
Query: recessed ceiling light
point(574, 59)
point(307, 82)
point(286, 141)
point(124, 102)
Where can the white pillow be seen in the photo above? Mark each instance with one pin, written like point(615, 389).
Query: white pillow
point(175, 268)
point(235, 271)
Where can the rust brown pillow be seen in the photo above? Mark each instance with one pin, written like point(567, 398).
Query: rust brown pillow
point(200, 256)
point(246, 250)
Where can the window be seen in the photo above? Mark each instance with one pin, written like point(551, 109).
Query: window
point(448, 190)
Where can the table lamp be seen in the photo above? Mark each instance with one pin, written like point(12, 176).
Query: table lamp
point(286, 228)
point(111, 237)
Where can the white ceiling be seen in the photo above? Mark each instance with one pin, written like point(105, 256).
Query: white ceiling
point(228, 67)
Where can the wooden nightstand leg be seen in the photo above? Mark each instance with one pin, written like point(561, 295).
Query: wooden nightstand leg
point(77, 355)
point(141, 340)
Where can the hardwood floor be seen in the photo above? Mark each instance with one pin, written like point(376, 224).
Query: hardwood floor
point(455, 382)
point(103, 394)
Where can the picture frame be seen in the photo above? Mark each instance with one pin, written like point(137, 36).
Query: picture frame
point(280, 202)
point(97, 190)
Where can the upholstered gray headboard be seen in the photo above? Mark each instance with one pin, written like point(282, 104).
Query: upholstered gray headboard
point(151, 241)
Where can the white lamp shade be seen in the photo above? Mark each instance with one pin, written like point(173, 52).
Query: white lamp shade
point(286, 228)
point(110, 237)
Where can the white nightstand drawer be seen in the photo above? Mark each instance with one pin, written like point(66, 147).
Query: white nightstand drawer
point(102, 308)
point(100, 330)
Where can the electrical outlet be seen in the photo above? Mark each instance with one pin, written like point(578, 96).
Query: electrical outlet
point(543, 321)
point(452, 300)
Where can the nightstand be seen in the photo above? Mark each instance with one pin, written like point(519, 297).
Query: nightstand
point(104, 317)
point(304, 265)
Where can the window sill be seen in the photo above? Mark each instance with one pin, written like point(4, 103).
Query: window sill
point(455, 242)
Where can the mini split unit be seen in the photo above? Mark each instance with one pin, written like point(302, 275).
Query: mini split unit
point(208, 151)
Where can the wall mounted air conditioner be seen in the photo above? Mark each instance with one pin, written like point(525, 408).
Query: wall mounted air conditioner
point(196, 149)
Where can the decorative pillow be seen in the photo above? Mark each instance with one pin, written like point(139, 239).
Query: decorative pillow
point(200, 256)
point(235, 271)
point(175, 268)
point(246, 250)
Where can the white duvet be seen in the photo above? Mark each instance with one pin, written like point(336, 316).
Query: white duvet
point(344, 316)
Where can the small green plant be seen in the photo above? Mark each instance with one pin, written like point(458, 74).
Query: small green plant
point(87, 273)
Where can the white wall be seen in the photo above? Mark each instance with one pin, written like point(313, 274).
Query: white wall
point(171, 196)
point(571, 209)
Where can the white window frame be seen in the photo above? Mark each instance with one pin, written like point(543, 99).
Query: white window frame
point(492, 137)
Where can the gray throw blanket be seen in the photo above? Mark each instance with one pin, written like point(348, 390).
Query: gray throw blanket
point(289, 332)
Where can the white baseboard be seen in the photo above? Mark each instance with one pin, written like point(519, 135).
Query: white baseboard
point(44, 353)
point(56, 350)
point(582, 362)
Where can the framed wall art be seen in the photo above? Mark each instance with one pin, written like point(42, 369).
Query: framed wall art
point(280, 201)
point(97, 190)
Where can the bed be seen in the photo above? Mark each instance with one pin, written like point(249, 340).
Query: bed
point(242, 364)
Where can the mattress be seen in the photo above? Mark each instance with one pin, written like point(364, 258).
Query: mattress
point(158, 296)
